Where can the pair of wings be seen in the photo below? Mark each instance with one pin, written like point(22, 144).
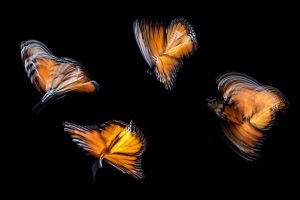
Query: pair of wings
point(119, 144)
point(51, 75)
point(164, 47)
point(250, 109)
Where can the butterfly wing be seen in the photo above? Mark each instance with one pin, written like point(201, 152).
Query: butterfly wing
point(268, 102)
point(165, 48)
point(151, 40)
point(69, 75)
point(87, 138)
point(231, 82)
point(244, 139)
point(126, 145)
point(119, 144)
point(249, 109)
point(51, 75)
point(181, 39)
point(180, 42)
point(39, 63)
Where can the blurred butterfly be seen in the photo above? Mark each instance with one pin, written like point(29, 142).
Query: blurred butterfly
point(248, 108)
point(119, 144)
point(164, 47)
point(53, 76)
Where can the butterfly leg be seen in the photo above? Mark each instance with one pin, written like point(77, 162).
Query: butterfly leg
point(96, 166)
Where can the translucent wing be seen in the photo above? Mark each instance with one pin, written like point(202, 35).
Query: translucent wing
point(69, 75)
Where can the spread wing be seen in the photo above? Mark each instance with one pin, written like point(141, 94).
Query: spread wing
point(244, 139)
point(51, 75)
point(164, 48)
point(69, 75)
point(126, 145)
point(249, 110)
point(268, 102)
point(119, 144)
point(87, 138)
point(39, 63)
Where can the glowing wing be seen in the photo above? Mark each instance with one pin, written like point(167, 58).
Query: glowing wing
point(87, 138)
point(126, 149)
point(244, 139)
point(51, 75)
point(164, 48)
point(249, 108)
point(118, 144)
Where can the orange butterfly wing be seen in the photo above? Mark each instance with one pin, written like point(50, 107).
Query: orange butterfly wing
point(268, 102)
point(43, 73)
point(119, 144)
point(87, 138)
point(126, 149)
point(165, 48)
point(54, 76)
point(250, 109)
point(69, 76)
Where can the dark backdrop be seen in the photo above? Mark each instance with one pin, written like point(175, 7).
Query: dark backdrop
point(186, 152)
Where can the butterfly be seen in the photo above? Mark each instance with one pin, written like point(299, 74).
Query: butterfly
point(163, 47)
point(119, 144)
point(248, 108)
point(53, 76)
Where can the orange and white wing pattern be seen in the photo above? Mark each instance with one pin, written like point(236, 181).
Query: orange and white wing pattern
point(39, 62)
point(249, 108)
point(164, 47)
point(51, 75)
point(119, 144)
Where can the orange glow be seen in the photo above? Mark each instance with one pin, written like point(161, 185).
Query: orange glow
point(117, 143)
point(164, 47)
point(249, 109)
point(51, 75)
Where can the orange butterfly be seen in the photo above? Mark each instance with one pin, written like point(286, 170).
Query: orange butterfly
point(248, 108)
point(121, 145)
point(163, 48)
point(51, 75)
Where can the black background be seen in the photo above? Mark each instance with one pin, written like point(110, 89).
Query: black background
point(186, 152)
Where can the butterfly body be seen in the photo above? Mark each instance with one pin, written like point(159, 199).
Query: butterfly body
point(248, 109)
point(52, 76)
